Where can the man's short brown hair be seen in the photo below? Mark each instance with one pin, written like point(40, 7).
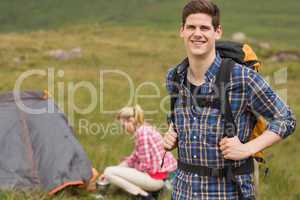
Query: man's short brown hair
point(202, 6)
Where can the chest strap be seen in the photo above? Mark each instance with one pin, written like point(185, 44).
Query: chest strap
point(246, 168)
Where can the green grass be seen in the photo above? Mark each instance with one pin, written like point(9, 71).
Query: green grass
point(138, 37)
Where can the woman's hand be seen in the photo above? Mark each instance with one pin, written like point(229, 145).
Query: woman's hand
point(233, 149)
point(101, 177)
point(123, 164)
point(103, 180)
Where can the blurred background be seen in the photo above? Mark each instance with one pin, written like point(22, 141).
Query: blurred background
point(78, 39)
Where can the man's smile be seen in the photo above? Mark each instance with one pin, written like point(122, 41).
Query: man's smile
point(198, 42)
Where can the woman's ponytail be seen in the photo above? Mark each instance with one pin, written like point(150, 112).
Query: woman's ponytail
point(138, 114)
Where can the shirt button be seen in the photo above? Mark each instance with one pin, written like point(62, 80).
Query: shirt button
point(195, 137)
point(195, 156)
point(195, 118)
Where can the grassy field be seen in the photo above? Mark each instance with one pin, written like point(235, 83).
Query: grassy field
point(271, 20)
point(139, 38)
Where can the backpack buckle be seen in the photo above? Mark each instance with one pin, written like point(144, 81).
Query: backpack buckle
point(215, 172)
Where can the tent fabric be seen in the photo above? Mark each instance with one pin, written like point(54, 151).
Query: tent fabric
point(38, 151)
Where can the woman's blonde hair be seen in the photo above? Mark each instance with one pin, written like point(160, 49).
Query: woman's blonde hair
point(129, 111)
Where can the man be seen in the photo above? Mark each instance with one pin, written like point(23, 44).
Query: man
point(197, 130)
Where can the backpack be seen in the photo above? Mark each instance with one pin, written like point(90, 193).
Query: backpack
point(231, 53)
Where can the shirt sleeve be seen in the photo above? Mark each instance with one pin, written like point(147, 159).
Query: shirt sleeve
point(157, 150)
point(171, 87)
point(170, 84)
point(132, 160)
point(264, 101)
point(144, 152)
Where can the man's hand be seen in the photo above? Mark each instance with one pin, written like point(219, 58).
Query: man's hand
point(233, 149)
point(170, 139)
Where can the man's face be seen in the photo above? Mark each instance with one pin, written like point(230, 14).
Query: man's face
point(199, 34)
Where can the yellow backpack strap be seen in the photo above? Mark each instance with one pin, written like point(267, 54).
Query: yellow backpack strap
point(250, 56)
point(260, 127)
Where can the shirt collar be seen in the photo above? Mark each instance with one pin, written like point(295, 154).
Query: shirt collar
point(209, 75)
point(214, 68)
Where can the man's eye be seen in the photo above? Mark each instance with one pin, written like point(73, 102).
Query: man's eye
point(205, 28)
point(190, 27)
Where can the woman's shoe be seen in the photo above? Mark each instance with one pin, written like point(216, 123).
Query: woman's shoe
point(149, 197)
point(155, 194)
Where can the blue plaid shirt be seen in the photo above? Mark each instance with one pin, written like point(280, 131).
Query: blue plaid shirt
point(200, 129)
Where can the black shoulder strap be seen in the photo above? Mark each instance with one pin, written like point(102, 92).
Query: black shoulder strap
point(176, 82)
point(222, 82)
point(174, 96)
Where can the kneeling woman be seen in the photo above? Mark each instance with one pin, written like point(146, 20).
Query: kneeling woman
point(141, 173)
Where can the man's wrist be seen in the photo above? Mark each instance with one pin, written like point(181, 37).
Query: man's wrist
point(250, 149)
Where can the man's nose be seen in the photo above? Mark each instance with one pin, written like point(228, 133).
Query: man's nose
point(197, 32)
